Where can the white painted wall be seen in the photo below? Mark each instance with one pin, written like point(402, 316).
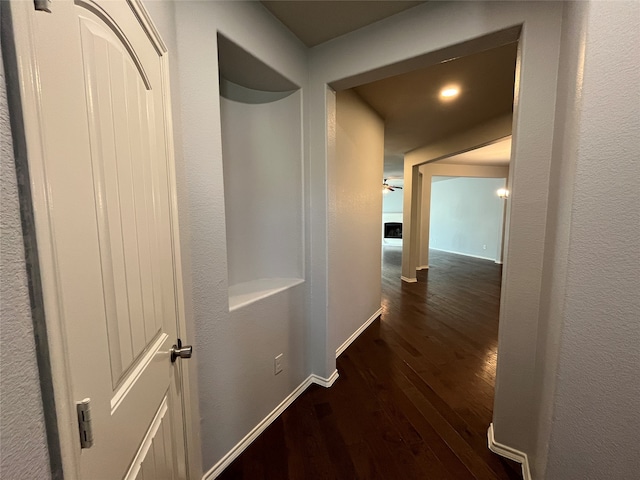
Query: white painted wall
point(23, 452)
point(558, 227)
point(589, 386)
point(438, 170)
point(355, 208)
point(234, 352)
point(262, 163)
point(466, 216)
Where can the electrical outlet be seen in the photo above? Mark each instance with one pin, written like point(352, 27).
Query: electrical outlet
point(277, 364)
point(484, 247)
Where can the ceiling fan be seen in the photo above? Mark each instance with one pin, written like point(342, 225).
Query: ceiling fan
point(389, 188)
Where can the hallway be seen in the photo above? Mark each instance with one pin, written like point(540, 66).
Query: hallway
point(415, 393)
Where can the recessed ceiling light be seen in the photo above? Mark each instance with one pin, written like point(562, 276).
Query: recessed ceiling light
point(449, 92)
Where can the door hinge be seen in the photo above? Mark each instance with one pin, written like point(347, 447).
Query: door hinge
point(84, 423)
point(43, 5)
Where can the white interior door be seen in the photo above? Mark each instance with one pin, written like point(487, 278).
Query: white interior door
point(108, 221)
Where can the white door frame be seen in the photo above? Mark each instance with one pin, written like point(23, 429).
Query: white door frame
point(32, 130)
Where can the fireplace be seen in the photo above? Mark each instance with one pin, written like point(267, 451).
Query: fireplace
point(393, 230)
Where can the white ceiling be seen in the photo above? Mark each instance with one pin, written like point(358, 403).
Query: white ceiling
point(409, 103)
point(413, 112)
point(315, 22)
point(495, 154)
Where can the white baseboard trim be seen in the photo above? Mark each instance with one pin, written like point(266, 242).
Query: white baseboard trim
point(357, 333)
point(423, 267)
point(324, 382)
point(225, 461)
point(463, 254)
point(408, 280)
point(510, 453)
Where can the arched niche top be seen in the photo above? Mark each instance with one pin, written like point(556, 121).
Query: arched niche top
point(241, 68)
point(238, 93)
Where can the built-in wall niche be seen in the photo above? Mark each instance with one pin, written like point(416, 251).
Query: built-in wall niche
point(261, 116)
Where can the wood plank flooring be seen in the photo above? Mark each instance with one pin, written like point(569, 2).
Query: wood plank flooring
point(415, 393)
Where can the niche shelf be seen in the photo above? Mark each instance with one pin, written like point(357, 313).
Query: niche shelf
point(261, 119)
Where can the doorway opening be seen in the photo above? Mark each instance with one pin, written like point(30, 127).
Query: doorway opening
point(445, 311)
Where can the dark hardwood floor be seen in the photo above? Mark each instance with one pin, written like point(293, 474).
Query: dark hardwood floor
point(415, 393)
